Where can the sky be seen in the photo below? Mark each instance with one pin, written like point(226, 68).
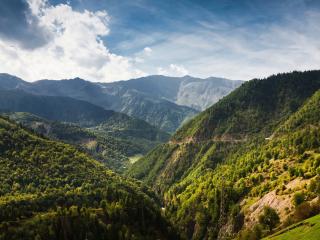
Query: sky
point(110, 40)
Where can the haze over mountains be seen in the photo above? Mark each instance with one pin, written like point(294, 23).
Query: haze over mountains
point(110, 136)
point(187, 91)
point(165, 102)
point(106, 133)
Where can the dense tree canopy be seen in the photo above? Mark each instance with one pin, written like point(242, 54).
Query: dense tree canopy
point(254, 141)
point(51, 190)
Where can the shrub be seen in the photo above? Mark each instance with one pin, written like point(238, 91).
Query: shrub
point(252, 234)
point(298, 198)
point(315, 186)
point(269, 218)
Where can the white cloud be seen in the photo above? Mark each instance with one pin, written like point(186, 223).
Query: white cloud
point(147, 51)
point(141, 56)
point(213, 48)
point(37, 6)
point(173, 70)
point(75, 50)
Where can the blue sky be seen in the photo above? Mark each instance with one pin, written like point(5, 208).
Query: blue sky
point(134, 20)
point(108, 40)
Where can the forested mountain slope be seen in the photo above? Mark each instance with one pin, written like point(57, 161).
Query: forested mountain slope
point(111, 137)
point(79, 112)
point(54, 108)
point(50, 190)
point(164, 114)
point(258, 106)
point(257, 147)
point(254, 109)
point(113, 143)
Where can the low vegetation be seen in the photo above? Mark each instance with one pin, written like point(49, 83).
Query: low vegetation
point(306, 230)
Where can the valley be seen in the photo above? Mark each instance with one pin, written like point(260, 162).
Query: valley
point(254, 152)
point(114, 142)
point(159, 120)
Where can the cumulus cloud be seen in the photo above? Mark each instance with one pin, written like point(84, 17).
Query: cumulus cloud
point(19, 25)
point(173, 70)
point(75, 47)
point(38, 40)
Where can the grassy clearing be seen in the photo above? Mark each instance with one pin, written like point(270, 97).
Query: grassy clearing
point(307, 230)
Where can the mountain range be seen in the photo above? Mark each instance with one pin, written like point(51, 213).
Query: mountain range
point(164, 102)
point(255, 149)
point(245, 168)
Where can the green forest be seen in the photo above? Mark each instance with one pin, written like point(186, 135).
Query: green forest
point(247, 168)
point(112, 142)
point(50, 190)
point(258, 145)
